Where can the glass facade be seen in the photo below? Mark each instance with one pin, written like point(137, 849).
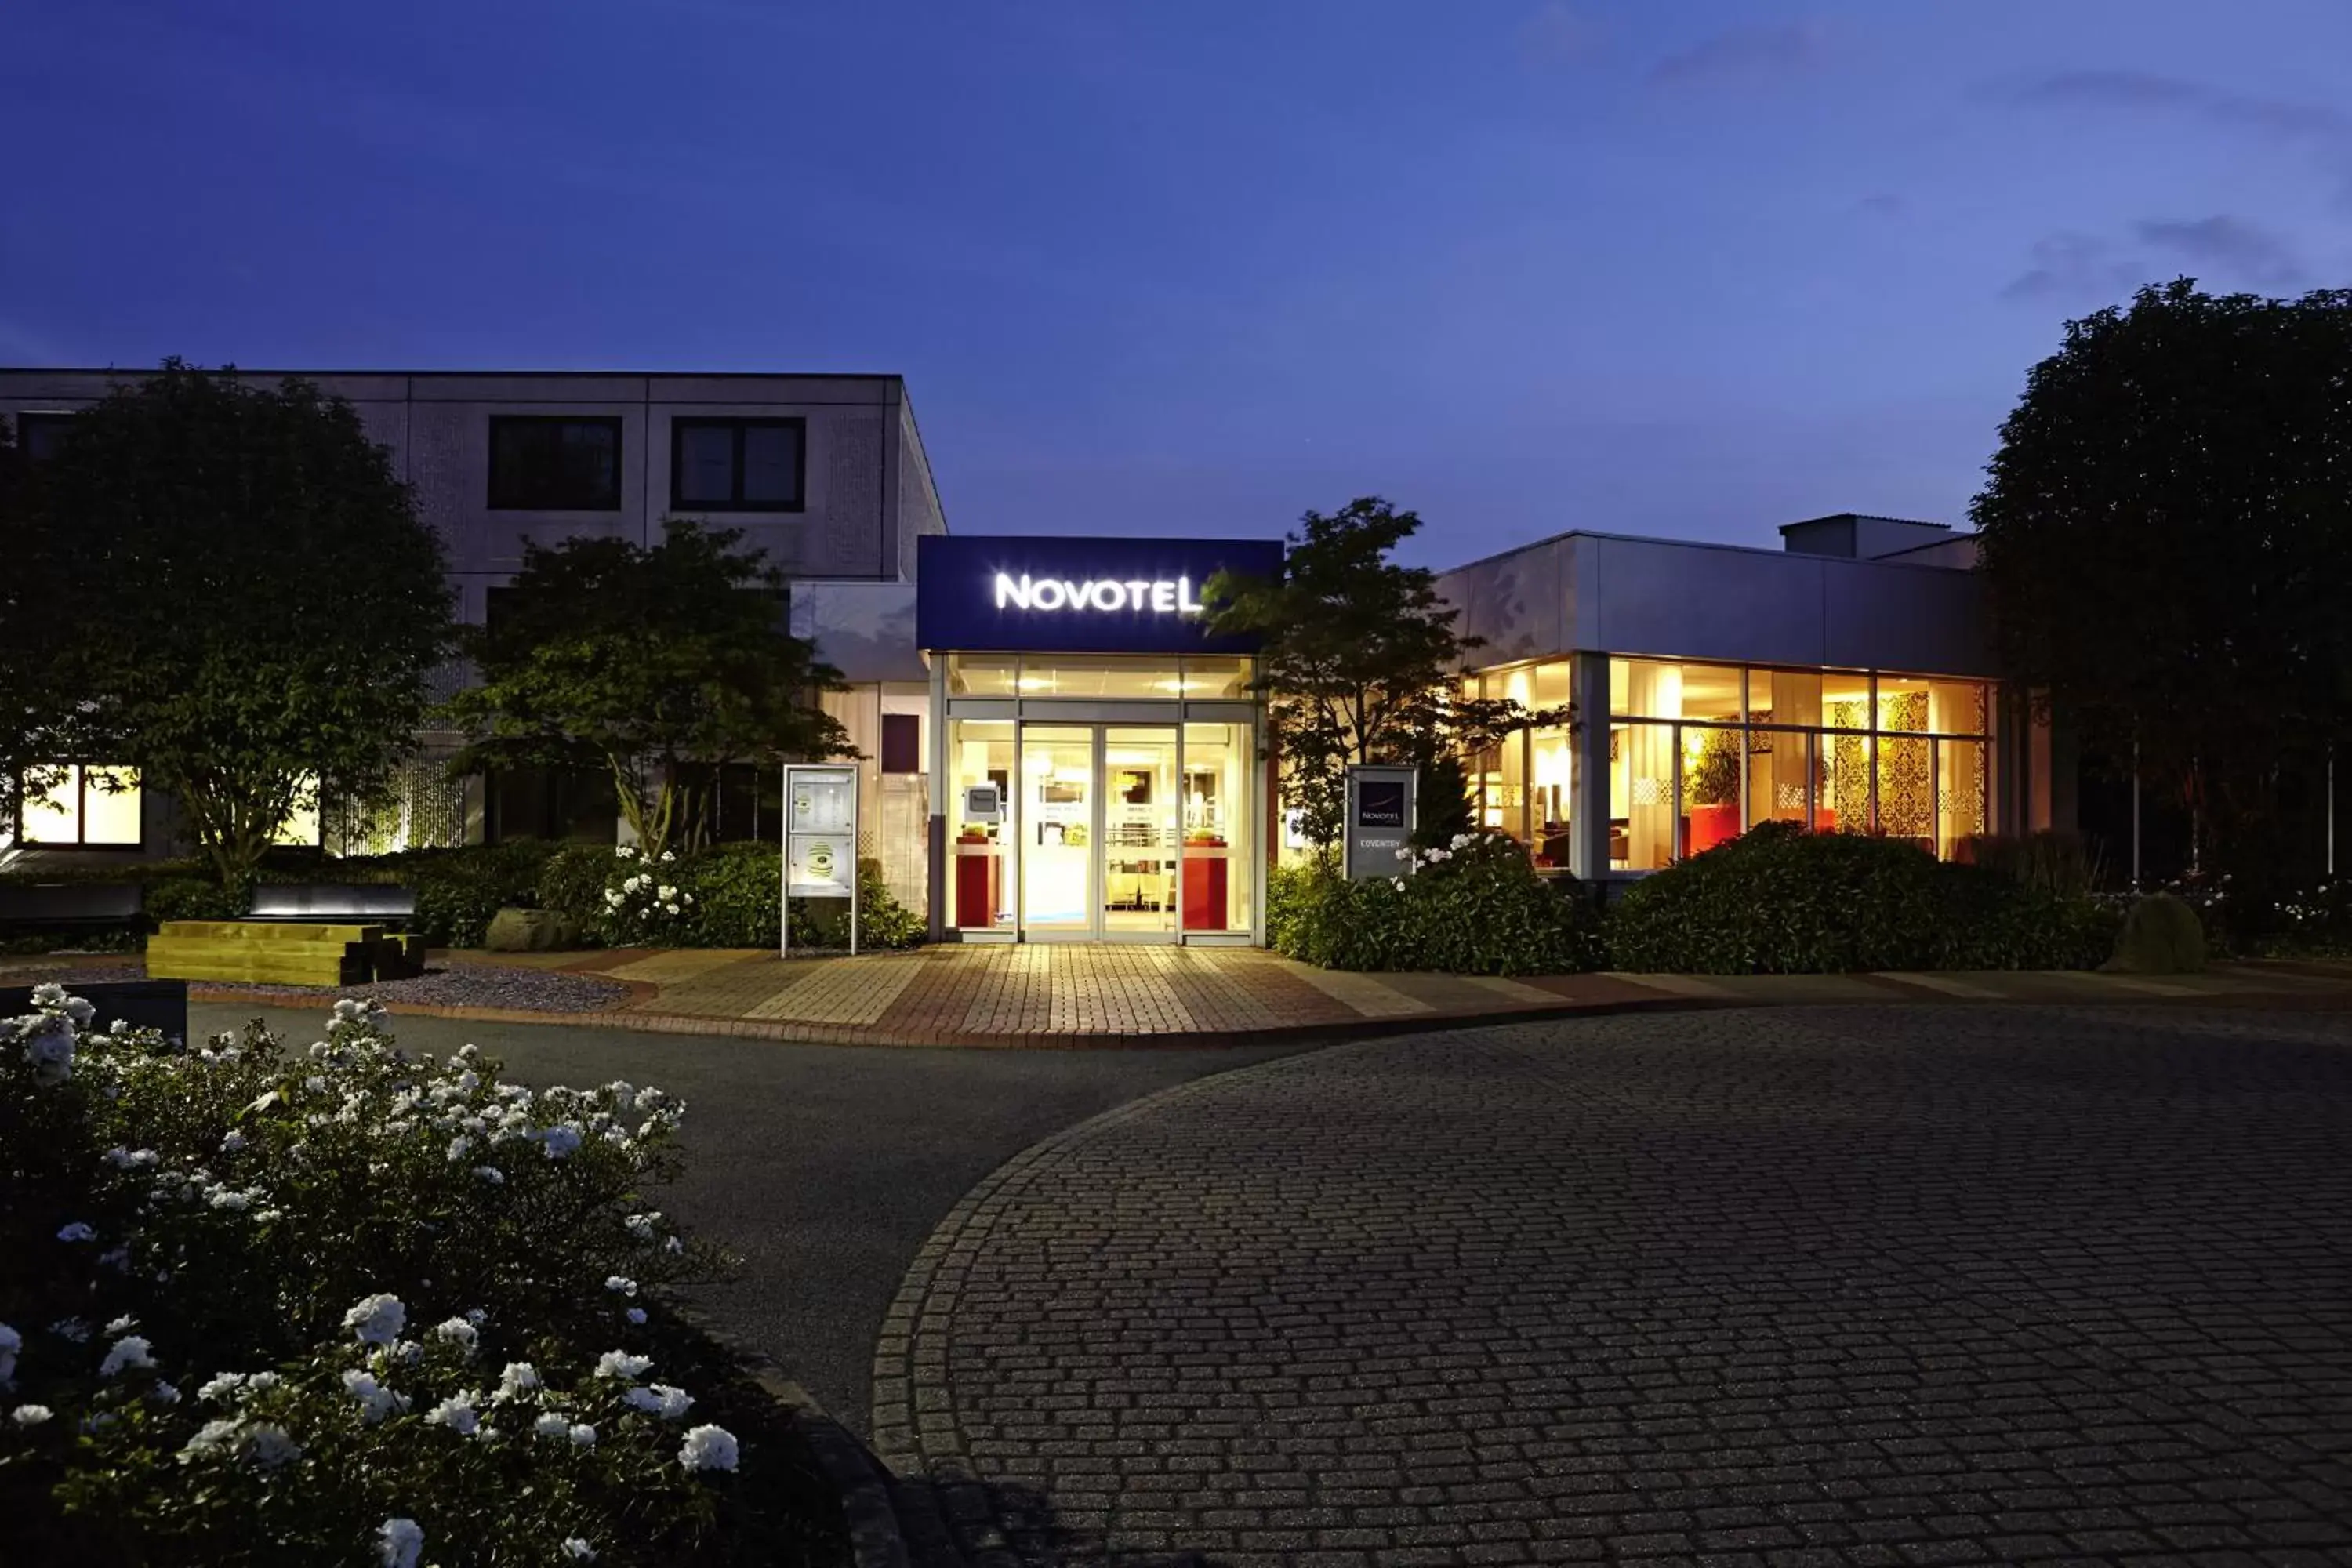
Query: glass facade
point(980, 788)
point(1521, 785)
point(1699, 753)
point(1070, 819)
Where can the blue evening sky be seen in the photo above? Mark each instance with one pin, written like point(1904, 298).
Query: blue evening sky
point(1694, 268)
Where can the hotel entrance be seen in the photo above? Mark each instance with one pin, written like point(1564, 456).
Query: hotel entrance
point(1100, 800)
point(1101, 832)
point(1096, 774)
point(1099, 850)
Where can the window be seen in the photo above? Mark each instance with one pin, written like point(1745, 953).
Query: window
point(83, 808)
point(736, 465)
point(1901, 756)
point(38, 434)
point(555, 464)
point(902, 742)
point(300, 829)
point(574, 804)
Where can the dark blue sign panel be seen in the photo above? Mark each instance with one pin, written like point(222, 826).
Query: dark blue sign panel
point(1035, 594)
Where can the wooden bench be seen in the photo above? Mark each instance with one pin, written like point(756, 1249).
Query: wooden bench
point(282, 952)
point(61, 906)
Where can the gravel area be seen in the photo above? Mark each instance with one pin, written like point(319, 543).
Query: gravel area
point(89, 970)
point(465, 985)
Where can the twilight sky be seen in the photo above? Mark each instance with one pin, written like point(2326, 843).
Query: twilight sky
point(1693, 270)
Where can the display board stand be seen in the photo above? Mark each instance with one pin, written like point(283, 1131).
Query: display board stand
point(820, 840)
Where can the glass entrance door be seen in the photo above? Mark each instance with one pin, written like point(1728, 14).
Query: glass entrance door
point(1140, 819)
point(1099, 823)
point(1059, 843)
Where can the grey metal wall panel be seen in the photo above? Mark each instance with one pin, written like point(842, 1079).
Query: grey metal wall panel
point(1920, 619)
point(1670, 600)
point(1517, 603)
point(1690, 602)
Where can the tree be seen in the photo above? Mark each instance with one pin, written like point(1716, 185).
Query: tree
point(1359, 659)
point(2168, 543)
point(225, 588)
point(643, 662)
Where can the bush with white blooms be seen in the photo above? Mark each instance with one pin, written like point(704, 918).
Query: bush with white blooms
point(344, 1305)
point(643, 902)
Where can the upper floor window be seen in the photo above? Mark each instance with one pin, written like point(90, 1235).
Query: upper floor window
point(38, 434)
point(737, 465)
point(559, 464)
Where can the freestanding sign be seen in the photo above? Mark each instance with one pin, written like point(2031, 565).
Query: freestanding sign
point(1379, 820)
point(820, 839)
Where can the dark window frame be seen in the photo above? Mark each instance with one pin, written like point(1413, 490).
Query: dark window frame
point(58, 420)
point(507, 500)
point(678, 426)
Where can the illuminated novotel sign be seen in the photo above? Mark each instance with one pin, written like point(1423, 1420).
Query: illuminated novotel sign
point(985, 592)
point(1159, 596)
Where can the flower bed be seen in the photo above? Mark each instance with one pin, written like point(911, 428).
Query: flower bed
point(319, 1305)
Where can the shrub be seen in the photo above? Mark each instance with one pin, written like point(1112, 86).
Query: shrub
point(267, 1306)
point(883, 923)
point(1780, 901)
point(2057, 863)
point(646, 901)
point(1472, 905)
point(457, 889)
point(572, 880)
point(740, 883)
point(738, 888)
point(2245, 919)
point(184, 896)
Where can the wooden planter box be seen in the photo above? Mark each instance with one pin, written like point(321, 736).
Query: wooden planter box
point(272, 953)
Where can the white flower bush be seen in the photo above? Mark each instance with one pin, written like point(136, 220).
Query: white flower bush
point(389, 1356)
point(641, 905)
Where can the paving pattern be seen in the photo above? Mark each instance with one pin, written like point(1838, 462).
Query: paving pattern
point(1074, 995)
point(1834, 1286)
point(959, 995)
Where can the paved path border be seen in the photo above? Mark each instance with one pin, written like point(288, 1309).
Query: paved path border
point(1474, 1001)
point(1063, 997)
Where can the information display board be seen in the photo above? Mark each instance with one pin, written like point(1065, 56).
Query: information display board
point(1379, 820)
point(820, 838)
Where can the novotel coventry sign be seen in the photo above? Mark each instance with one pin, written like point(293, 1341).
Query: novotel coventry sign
point(993, 593)
point(1159, 596)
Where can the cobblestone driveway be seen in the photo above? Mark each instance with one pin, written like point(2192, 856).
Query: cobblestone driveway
point(1836, 1285)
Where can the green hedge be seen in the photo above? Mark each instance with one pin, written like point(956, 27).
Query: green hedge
point(1475, 905)
point(735, 887)
point(457, 891)
point(1780, 901)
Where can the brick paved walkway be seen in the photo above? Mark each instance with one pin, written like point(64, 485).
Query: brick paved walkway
point(1045, 994)
point(1803, 1286)
point(1040, 993)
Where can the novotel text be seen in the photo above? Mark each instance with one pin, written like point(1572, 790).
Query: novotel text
point(1159, 596)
